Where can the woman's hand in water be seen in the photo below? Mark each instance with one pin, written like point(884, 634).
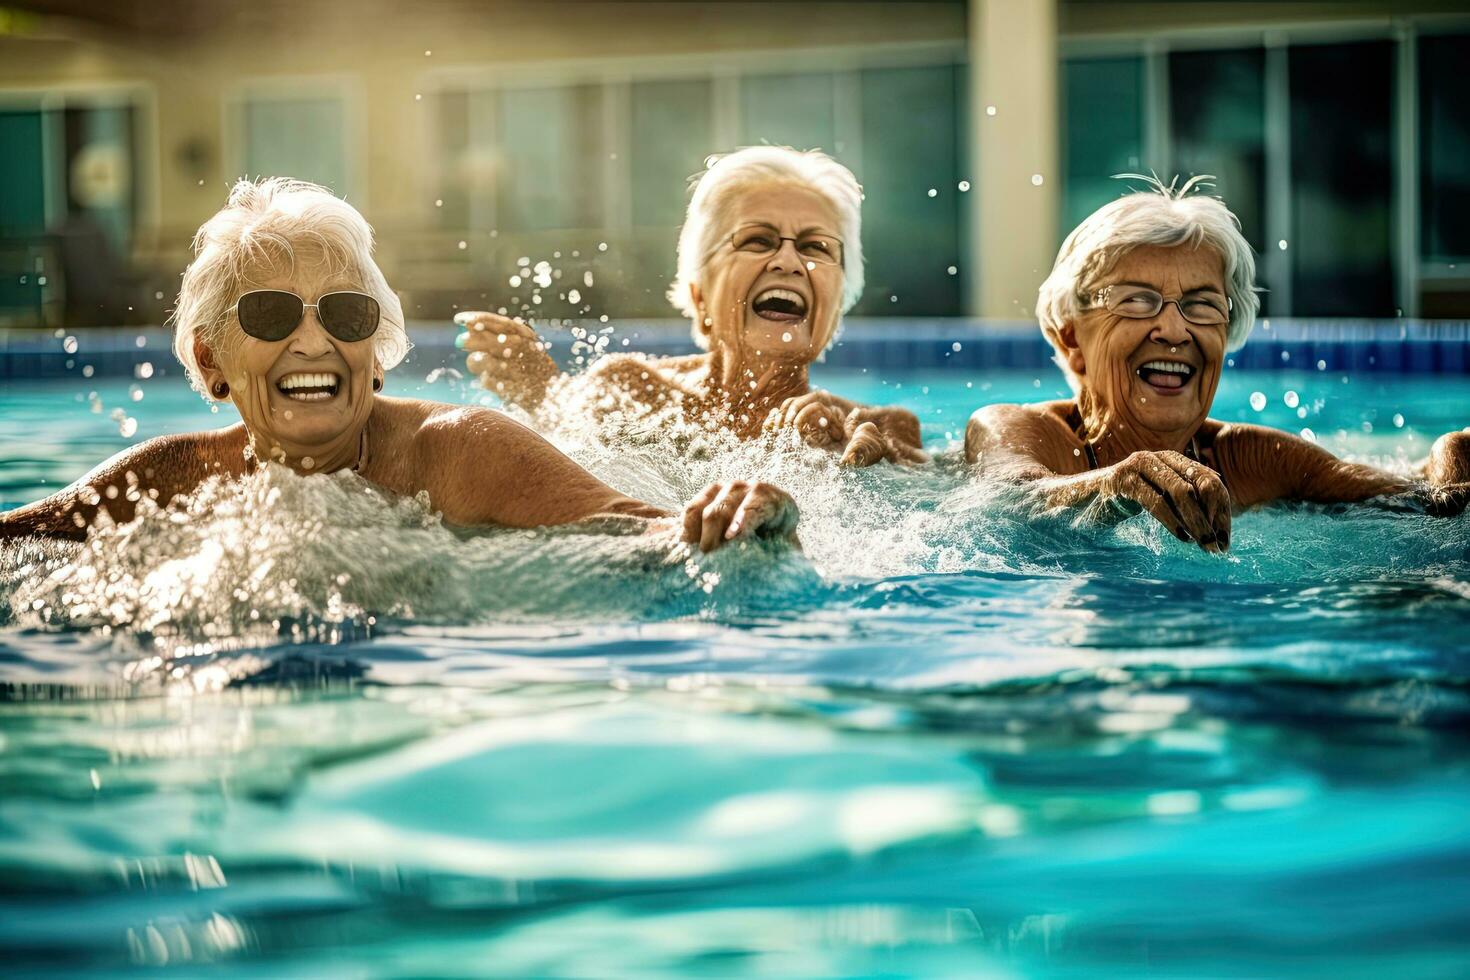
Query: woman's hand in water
point(864, 435)
point(507, 356)
point(876, 434)
point(729, 511)
point(1186, 497)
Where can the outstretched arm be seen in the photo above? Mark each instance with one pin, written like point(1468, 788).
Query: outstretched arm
point(1262, 465)
point(1033, 447)
point(481, 467)
point(159, 469)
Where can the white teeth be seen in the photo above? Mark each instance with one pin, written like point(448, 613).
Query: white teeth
point(316, 386)
point(785, 294)
point(1169, 367)
point(304, 380)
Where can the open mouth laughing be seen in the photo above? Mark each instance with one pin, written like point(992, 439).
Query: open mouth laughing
point(780, 306)
point(1167, 377)
point(301, 386)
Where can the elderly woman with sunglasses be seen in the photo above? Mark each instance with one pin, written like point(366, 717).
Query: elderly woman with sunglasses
point(769, 259)
point(1147, 296)
point(285, 315)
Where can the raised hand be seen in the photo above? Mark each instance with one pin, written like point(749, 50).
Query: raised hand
point(507, 356)
point(729, 511)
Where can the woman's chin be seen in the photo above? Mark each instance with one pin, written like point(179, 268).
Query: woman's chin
point(780, 338)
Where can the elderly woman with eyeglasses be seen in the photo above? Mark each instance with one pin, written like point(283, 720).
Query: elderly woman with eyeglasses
point(1147, 296)
point(285, 315)
point(769, 259)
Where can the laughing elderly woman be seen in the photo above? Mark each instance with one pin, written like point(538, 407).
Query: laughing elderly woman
point(1147, 296)
point(284, 314)
point(769, 260)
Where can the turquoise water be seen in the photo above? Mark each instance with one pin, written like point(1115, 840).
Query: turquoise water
point(314, 731)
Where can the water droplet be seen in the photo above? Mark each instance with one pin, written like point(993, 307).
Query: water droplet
point(956, 347)
point(1258, 400)
point(964, 185)
point(128, 427)
point(1309, 435)
point(990, 110)
point(893, 298)
point(586, 277)
point(438, 202)
point(418, 97)
point(427, 52)
point(515, 280)
point(953, 270)
point(1292, 399)
point(602, 246)
point(1321, 365)
point(1281, 244)
point(1076, 451)
point(933, 192)
point(464, 245)
point(69, 345)
point(307, 463)
point(1398, 421)
point(574, 296)
point(158, 294)
point(786, 337)
point(87, 370)
point(1037, 180)
point(1301, 413)
point(602, 319)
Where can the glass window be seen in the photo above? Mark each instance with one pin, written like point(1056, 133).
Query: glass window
point(1217, 118)
point(22, 174)
point(551, 150)
point(911, 143)
point(1341, 179)
point(788, 110)
point(671, 136)
point(1103, 131)
point(1444, 142)
point(304, 138)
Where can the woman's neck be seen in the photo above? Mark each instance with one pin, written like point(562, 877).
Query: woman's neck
point(750, 384)
point(1114, 438)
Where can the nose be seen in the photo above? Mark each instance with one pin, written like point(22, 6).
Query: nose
point(1170, 327)
point(786, 259)
point(310, 338)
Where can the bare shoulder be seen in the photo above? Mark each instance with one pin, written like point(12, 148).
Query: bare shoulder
point(1037, 432)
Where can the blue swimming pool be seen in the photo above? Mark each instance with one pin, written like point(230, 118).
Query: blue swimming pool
point(315, 731)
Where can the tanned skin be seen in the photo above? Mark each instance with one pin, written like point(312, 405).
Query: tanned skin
point(477, 466)
point(755, 377)
point(1140, 431)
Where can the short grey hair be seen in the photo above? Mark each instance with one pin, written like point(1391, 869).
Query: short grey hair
point(725, 174)
point(266, 222)
point(1157, 215)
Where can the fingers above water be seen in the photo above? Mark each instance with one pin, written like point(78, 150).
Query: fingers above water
point(726, 511)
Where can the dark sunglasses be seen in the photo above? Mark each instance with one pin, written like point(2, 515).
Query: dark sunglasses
point(272, 314)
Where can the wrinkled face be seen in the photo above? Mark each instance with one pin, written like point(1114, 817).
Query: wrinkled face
point(774, 297)
point(308, 392)
point(1158, 374)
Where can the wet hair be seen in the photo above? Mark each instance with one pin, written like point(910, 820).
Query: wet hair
point(1158, 215)
point(705, 225)
point(269, 224)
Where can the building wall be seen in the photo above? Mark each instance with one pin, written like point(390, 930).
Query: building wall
point(478, 124)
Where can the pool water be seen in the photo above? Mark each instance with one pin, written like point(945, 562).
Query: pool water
point(310, 729)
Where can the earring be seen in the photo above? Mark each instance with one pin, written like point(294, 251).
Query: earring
point(377, 384)
point(220, 390)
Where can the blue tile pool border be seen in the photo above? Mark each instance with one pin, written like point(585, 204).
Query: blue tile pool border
point(1354, 346)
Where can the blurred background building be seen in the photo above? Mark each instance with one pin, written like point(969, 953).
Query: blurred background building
point(480, 138)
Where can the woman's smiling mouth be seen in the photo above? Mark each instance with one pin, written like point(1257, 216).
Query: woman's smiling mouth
point(780, 305)
point(1166, 377)
point(316, 386)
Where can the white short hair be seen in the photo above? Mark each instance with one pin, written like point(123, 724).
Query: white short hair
point(265, 223)
point(1159, 215)
point(705, 224)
